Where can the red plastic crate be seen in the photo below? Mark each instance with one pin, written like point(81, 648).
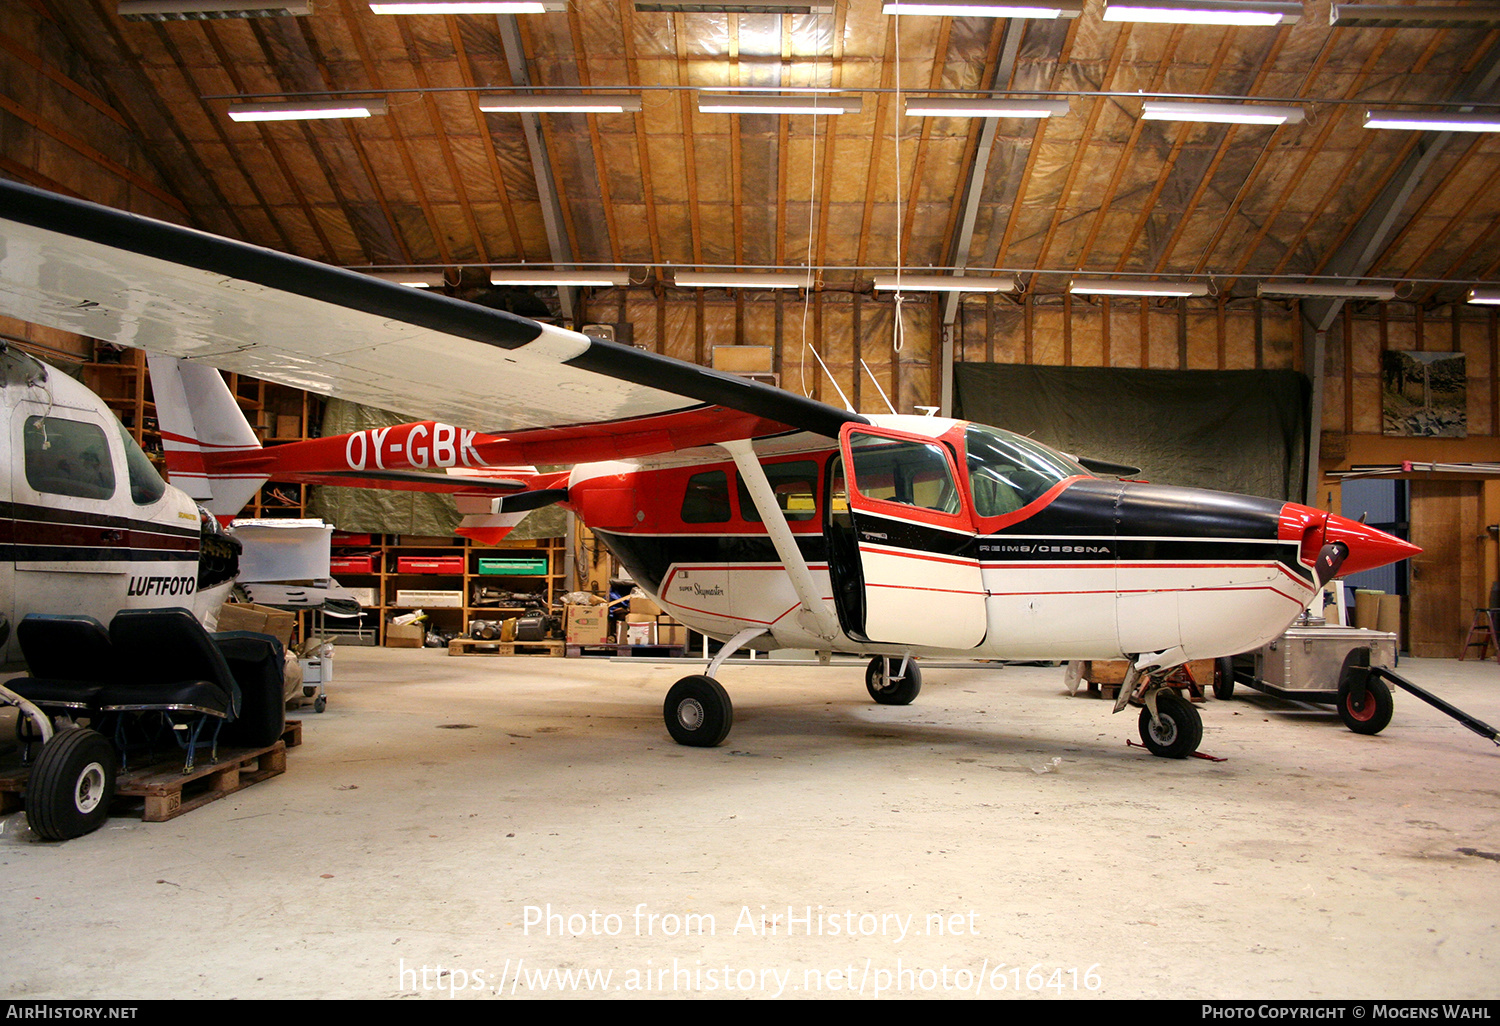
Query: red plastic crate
point(429, 564)
point(358, 563)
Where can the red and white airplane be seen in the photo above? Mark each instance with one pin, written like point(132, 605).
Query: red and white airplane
point(758, 517)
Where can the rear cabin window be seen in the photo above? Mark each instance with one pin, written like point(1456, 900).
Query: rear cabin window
point(68, 457)
point(707, 498)
point(795, 485)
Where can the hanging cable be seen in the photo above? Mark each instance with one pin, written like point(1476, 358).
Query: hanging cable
point(898, 338)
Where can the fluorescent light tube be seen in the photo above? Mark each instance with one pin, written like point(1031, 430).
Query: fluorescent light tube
point(415, 279)
point(959, 107)
point(1413, 15)
point(1485, 297)
point(557, 103)
point(1124, 287)
point(942, 283)
point(980, 9)
point(1384, 293)
point(1202, 12)
point(737, 6)
point(752, 103)
point(730, 280)
point(202, 10)
point(1434, 121)
point(468, 7)
point(1222, 113)
point(306, 110)
point(577, 279)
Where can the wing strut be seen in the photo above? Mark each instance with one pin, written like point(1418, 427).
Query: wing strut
point(815, 616)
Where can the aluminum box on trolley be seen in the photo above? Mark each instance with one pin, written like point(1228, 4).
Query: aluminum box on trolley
point(1304, 663)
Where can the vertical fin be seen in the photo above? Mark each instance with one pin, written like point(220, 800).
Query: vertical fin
point(200, 421)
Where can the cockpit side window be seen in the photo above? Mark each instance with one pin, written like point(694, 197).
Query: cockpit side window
point(908, 472)
point(796, 488)
point(68, 457)
point(1007, 471)
point(146, 485)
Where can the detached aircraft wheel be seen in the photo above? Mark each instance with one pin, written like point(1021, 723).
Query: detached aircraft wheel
point(1373, 714)
point(1179, 731)
point(893, 690)
point(71, 785)
point(1224, 678)
point(698, 712)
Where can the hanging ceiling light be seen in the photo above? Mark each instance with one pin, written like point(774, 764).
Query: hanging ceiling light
point(1203, 12)
point(1384, 293)
point(941, 283)
point(203, 10)
point(730, 280)
point(469, 6)
point(578, 103)
point(305, 110)
point(754, 103)
point(1413, 15)
point(737, 6)
point(1128, 287)
point(1485, 297)
point(415, 279)
point(1222, 113)
point(1433, 121)
point(576, 279)
point(979, 9)
point(961, 107)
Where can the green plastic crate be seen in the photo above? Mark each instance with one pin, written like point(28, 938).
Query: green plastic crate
point(512, 566)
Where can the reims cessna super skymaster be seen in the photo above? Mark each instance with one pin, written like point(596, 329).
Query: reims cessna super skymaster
point(758, 517)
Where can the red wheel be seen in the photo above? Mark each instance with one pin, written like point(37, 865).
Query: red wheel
point(1370, 716)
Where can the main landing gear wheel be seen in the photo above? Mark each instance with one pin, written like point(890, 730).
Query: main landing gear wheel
point(698, 712)
point(887, 688)
point(1178, 729)
point(71, 785)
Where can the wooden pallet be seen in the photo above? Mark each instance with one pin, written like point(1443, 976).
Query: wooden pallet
point(475, 646)
point(167, 792)
point(611, 650)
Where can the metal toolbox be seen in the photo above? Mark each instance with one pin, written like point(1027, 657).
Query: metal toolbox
point(1306, 660)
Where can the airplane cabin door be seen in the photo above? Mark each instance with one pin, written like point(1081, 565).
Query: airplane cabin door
point(902, 542)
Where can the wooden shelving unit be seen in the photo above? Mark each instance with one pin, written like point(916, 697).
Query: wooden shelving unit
point(120, 378)
point(388, 580)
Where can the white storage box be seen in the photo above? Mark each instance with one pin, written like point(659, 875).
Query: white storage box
point(316, 671)
point(433, 599)
point(283, 550)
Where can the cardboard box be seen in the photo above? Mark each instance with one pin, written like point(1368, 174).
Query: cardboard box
point(406, 635)
point(638, 633)
point(643, 605)
point(247, 616)
point(587, 625)
point(288, 425)
point(671, 634)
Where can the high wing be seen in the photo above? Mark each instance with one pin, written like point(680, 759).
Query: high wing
point(131, 280)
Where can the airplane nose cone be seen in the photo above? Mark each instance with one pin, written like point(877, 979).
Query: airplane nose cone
point(1368, 547)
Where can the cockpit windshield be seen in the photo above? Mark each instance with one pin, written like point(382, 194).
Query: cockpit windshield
point(1007, 471)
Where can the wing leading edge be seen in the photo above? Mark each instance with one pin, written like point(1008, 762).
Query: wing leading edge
point(131, 280)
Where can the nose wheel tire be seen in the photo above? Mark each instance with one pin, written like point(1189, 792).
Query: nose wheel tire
point(698, 712)
point(1373, 714)
point(1178, 729)
point(889, 689)
point(71, 785)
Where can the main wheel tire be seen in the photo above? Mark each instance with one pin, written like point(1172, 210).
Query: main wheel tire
point(698, 712)
point(893, 690)
point(1224, 678)
point(71, 785)
point(1179, 731)
point(1373, 714)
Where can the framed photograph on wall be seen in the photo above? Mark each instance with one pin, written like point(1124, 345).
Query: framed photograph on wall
point(1424, 395)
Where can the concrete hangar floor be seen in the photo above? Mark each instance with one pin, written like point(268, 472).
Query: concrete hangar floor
point(477, 826)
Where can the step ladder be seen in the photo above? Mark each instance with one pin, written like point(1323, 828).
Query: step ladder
point(1484, 633)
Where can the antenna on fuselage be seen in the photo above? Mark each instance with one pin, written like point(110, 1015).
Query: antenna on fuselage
point(866, 366)
point(847, 404)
